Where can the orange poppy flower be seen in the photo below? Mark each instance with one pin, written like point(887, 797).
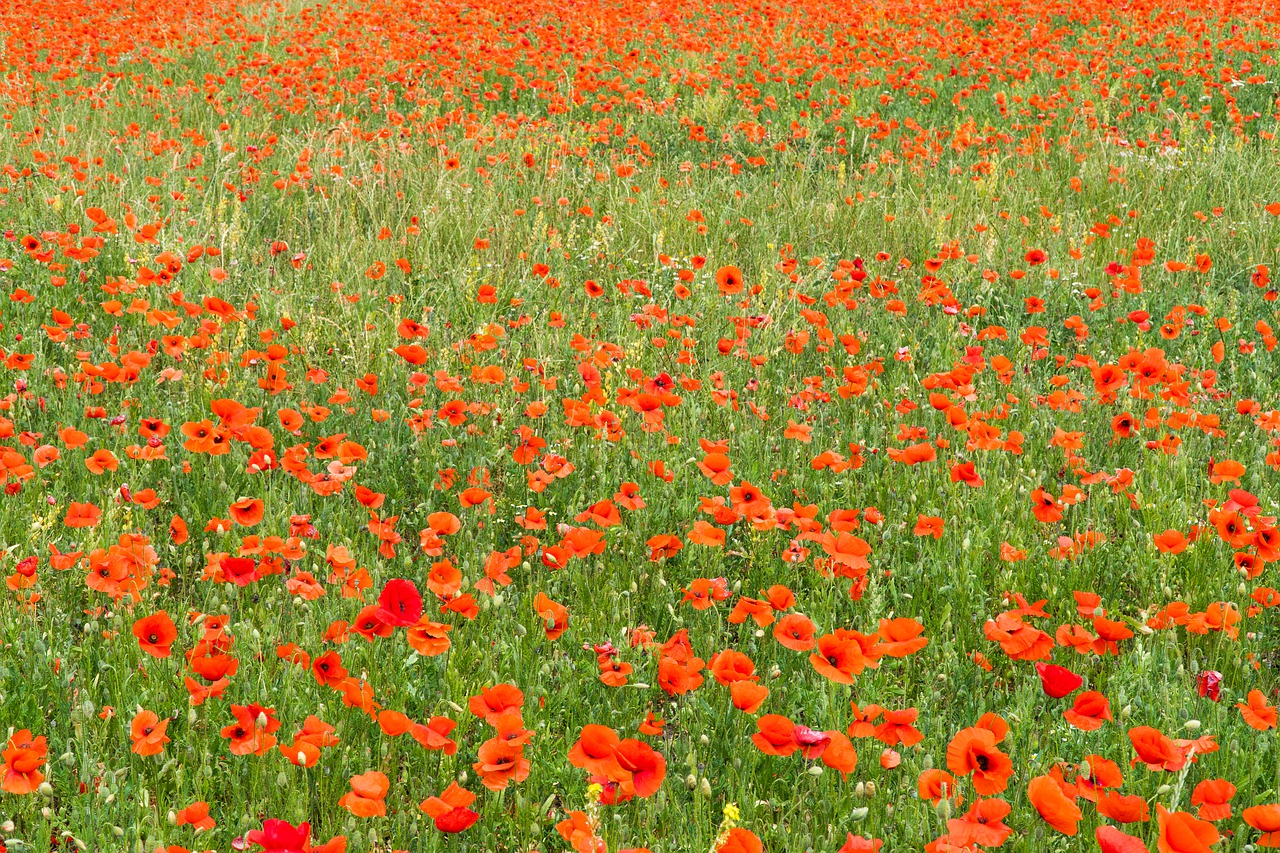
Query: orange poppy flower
point(595, 749)
point(983, 825)
point(82, 515)
point(1265, 819)
point(1090, 710)
point(739, 840)
point(795, 631)
point(492, 701)
point(155, 634)
point(900, 637)
point(937, 785)
point(641, 768)
point(844, 654)
point(247, 512)
point(748, 696)
point(973, 751)
point(501, 763)
point(1213, 796)
point(148, 733)
point(23, 756)
point(1182, 833)
point(1155, 750)
point(434, 735)
point(775, 735)
point(1053, 805)
point(367, 795)
point(196, 816)
point(1257, 713)
point(729, 280)
point(1123, 808)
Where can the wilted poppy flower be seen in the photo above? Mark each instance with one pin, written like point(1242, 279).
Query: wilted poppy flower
point(1209, 684)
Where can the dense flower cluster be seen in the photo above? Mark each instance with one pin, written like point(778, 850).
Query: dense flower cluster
point(621, 427)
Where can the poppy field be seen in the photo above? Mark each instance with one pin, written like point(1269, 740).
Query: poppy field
point(602, 426)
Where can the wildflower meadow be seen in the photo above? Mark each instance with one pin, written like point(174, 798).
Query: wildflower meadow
point(623, 426)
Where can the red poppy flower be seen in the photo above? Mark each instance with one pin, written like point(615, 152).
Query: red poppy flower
point(1058, 681)
point(400, 604)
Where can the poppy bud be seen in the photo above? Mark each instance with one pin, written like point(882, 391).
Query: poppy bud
point(943, 809)
point(815, 770)
point(705, 788)
point(45, 789)
point(859, 814)
point(1192, 725)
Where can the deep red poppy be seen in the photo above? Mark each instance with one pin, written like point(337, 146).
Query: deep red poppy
point(400, 604)
point(1058, 681)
